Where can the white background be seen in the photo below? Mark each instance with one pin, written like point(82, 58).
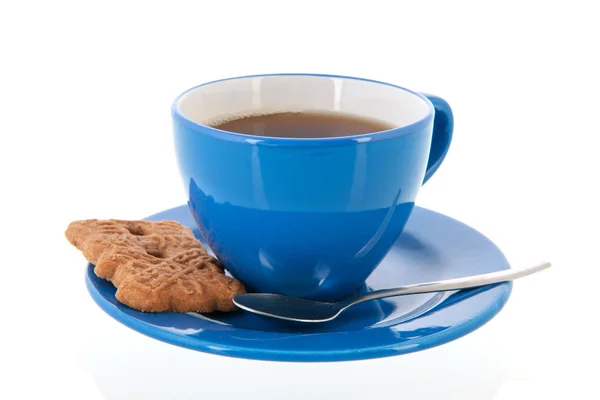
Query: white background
point(85, 91)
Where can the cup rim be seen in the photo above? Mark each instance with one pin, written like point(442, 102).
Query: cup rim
point(270, 140)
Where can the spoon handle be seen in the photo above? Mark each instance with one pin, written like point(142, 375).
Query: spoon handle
point(451, 284)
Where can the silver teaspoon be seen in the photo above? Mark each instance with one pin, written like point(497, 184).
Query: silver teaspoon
point(302, 310)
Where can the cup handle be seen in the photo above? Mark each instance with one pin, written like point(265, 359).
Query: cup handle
point(443, 125)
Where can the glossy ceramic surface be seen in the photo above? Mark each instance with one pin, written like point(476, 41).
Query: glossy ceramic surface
point(309, 218)
point(434, 246)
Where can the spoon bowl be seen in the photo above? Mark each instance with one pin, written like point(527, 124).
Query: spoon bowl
point(288, 308)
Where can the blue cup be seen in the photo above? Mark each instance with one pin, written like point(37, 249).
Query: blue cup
point(306, 217)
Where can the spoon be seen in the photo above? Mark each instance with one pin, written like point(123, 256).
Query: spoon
point(302, 310)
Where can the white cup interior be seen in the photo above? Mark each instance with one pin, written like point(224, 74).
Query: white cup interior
point(218, 102)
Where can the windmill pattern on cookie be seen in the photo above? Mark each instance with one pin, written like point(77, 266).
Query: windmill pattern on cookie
point(155, 266)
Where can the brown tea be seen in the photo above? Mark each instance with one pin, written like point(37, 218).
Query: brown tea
point(303, 125)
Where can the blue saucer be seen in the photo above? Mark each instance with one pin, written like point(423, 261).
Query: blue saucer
point(432, 247)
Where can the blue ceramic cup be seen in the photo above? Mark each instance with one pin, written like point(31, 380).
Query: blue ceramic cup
point(306, 217)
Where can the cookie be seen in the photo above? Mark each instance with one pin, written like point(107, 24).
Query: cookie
point(155, 266)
